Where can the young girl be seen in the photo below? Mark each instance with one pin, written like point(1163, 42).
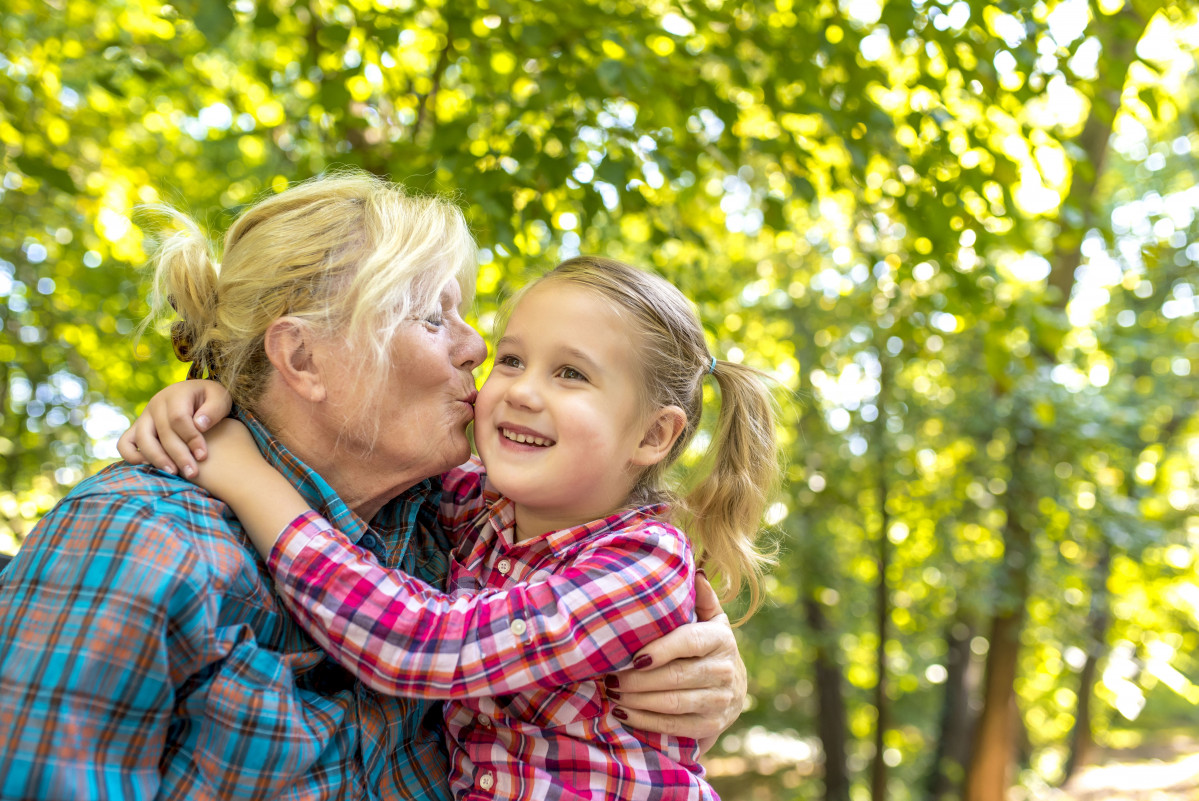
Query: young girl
point(568, 558)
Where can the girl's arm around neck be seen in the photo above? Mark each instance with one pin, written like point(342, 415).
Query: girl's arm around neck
point(402, 637)
point(237, 473)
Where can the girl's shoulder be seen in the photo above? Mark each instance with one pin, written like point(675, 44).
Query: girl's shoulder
point(640, 531)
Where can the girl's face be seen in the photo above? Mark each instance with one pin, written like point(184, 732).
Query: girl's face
point(559, 423)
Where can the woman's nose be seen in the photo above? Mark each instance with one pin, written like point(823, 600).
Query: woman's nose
point(472, 350)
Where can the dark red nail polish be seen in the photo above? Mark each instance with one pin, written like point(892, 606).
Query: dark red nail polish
point(643, 661)
point(611, 682)
point(620, 714)
point(615, 696)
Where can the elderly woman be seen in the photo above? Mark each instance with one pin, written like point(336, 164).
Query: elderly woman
point(143, 651)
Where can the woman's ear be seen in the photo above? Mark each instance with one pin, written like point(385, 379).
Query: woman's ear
point(664, 428)
point(290, 346)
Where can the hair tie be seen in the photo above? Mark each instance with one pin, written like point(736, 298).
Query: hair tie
point(181, 341)
point(185, 351)
point(712, 366)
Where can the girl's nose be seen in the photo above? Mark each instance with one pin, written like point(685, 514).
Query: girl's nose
point(524, 392)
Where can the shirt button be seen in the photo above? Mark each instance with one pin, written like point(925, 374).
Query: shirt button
point(518, 628)
point(504, 567)
point(484, 720)
point(486, 781)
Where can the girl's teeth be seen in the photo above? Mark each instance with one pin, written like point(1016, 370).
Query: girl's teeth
point(526, 439)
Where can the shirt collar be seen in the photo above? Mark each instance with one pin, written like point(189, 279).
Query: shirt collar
point(317, 492)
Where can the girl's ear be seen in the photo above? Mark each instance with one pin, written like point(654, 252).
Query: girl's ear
point(664, 428)
point(289, 346)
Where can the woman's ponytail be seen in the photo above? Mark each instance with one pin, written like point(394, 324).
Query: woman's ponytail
point(185, 286)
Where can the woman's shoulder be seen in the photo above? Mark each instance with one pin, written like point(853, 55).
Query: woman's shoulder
point(148, 530)
point(142, 491)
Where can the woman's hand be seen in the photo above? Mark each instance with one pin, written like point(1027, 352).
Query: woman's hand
point(690, 683)
point(169, 433)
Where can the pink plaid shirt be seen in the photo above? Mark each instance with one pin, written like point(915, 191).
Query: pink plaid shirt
point(519, 645)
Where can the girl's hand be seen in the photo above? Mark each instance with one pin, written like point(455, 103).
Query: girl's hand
point(692, 681)
point(169, 433)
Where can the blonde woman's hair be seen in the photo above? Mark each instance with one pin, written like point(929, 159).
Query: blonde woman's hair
point(350, 254)
point(723, 511)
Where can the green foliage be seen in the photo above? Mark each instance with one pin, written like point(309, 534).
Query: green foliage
point(882, 204)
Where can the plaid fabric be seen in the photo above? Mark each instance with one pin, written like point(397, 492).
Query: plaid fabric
point(520, 644)
point(143, 654)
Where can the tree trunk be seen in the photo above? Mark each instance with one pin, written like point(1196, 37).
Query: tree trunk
point(993, 754)
point(878, 773)
point(1082, 740)
point(832, 727)
point(957, 718)
point(987, 778)
point(1120, 45)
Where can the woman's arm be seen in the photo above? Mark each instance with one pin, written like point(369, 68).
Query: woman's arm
point(691, 682)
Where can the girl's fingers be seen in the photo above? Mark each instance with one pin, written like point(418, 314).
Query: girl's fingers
point(179, 438)
point(127, 447)
point(150, 448)
point(216, 406)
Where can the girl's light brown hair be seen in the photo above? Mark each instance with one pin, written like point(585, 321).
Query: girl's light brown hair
point(723, 511)
point(349, 254)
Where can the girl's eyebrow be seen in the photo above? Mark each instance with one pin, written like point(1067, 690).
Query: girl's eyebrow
point(568, 353)
point(577, 355)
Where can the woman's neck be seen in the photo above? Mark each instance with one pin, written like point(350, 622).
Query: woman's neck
point(359, 484)
point(354, 477)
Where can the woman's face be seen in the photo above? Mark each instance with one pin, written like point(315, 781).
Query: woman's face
point(424, 406)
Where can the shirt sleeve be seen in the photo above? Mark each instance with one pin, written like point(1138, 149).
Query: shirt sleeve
point(131, 666)
point(87, 676)
point(403, 637)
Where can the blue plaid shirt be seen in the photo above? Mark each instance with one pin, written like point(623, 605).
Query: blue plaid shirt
point(145, 654)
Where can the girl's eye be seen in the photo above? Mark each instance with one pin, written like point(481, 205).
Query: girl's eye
point(508, 361)
point(571, 374)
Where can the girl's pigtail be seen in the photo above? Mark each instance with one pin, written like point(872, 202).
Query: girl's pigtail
point(725, 508)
